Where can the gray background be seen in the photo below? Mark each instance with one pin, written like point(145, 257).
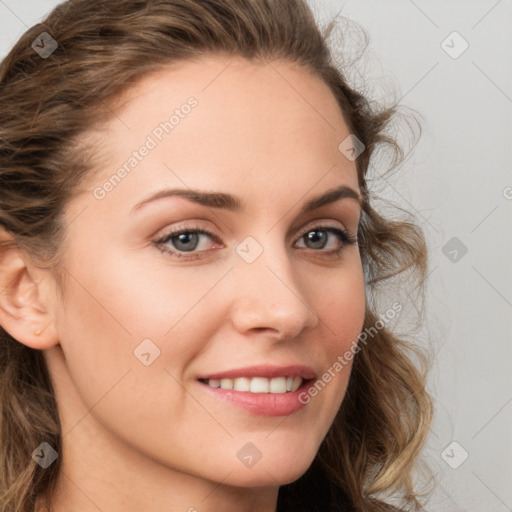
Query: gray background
point(459, 185)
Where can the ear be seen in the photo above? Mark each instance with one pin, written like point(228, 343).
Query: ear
point(27, 308)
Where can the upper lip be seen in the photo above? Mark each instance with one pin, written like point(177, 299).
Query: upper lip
point(268, 371)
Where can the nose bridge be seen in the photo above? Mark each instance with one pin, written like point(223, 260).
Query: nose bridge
point(271, 296)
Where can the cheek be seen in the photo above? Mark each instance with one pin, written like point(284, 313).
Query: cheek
point(342, 307)
point(108, 311)
point(116, 311)
point(128, 300)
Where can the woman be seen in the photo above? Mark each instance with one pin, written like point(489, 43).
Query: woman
point(189, 264)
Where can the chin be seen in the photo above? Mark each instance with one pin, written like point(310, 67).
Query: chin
point(261, 478)
point(271, 472)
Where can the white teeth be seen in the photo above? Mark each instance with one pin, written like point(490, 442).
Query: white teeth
point(278, 385)
point(226, 383)
point(297, 381)
point(242, 384)
point(214, 383)
point(258, 384)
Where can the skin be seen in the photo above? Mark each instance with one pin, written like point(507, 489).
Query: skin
point(150, 438)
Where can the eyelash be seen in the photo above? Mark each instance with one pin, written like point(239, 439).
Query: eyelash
point(342, 234)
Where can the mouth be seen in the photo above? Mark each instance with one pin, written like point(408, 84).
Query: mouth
point(262, 390)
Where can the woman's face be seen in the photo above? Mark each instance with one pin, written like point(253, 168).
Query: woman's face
point(255, 287)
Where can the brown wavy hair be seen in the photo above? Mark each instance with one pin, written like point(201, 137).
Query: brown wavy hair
point(48, 104)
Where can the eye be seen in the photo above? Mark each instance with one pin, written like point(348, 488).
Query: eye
point(319, 237)
point(185, 240)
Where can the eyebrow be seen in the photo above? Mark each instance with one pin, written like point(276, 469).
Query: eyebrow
point(232, 203)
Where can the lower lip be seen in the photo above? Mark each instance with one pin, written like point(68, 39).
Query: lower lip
point(262, 404)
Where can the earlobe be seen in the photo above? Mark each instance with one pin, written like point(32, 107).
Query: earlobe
point(26, 306)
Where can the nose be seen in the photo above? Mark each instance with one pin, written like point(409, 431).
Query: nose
point(270, 298)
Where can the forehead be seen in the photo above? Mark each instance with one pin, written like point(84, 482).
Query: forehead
point(217, 120)
point(255, 81)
